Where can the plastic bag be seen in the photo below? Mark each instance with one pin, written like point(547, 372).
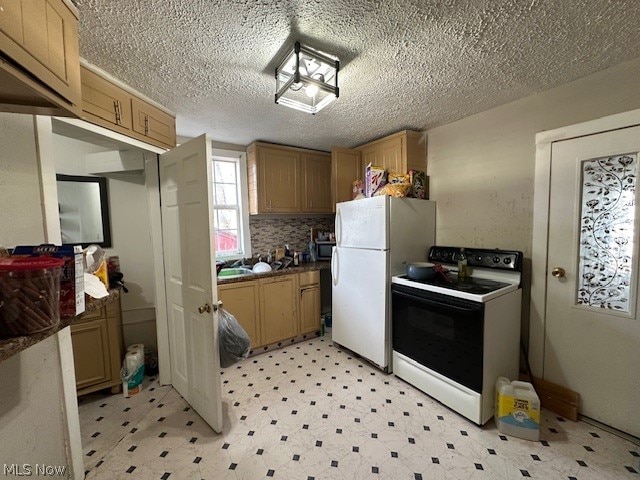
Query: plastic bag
point(234, 341)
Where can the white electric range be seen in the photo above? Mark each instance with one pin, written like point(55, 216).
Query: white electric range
point(452, 337)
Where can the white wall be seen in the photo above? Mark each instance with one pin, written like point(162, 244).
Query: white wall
point(20, 213)
point(31, 419)
point(130, 234)
point(481, 168)
point(32, 422)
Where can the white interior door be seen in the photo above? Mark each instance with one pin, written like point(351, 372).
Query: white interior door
point(592, 333)
point(187, 226)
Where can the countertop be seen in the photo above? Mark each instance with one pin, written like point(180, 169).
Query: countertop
point(303, 267)
point(13, 346)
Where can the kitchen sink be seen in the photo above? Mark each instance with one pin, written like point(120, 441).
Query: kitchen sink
point(234, 272)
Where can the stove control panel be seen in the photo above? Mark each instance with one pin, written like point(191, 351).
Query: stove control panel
point(478, 257)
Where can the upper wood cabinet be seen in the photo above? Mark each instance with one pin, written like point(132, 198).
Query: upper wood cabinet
point(105, 103)
point(152, 124)
point(397, 153)
point(346, 166)
point(316, 186)
point(274, 179)
point(287, 179)
point(39, 60)
point(112, 106)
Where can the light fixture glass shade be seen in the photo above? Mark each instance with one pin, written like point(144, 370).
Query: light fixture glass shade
point(307, 80)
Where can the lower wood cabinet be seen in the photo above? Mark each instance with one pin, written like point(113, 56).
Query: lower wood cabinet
point(309, 302)
point(276, 308)
point(98, 349)
point(241, 300)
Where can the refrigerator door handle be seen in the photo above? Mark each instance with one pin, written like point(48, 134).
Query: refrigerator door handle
point(334, 266)
point(338, 227)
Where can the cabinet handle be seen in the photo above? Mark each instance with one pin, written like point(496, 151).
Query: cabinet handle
point(146, 124)
point(116, 107)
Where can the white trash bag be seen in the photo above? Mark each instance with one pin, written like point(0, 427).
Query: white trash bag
point(234, 341)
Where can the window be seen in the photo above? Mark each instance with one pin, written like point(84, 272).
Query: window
point(231, 218)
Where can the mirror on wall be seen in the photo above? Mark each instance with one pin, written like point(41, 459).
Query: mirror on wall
point(83, 207)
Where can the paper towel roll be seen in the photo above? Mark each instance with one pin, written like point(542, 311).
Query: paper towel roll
point(135, 346)
point(132, 361)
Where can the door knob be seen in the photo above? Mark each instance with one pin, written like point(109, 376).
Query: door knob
point(208, 308)
point(558, 272)
point(205, 308)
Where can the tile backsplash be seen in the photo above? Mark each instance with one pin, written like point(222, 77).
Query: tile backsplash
point(267, 233)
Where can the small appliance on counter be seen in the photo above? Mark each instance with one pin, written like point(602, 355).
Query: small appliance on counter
point(324, 249)
point(454, 335)
point(375, 237)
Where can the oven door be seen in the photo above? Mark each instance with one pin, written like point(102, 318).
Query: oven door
point(441, 332)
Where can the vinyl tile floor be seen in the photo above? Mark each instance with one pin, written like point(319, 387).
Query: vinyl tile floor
point(312, 411)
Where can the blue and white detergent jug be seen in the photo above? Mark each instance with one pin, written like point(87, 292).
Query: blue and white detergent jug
point(517, 409)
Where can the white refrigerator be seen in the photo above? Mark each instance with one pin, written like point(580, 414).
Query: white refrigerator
point(375, 237)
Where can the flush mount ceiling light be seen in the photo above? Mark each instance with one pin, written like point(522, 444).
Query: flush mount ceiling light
point(307, 80)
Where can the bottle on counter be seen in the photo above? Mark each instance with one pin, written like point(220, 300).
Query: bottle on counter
point(462, 264)
point(287, 252)
point(312, 251)
point(296, 259)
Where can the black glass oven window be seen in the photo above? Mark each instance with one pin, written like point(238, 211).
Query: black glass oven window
point(443, 333)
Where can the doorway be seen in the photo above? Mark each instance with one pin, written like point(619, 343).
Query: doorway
point(585, 329)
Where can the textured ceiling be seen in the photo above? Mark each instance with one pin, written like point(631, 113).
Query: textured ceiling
point(404, 64)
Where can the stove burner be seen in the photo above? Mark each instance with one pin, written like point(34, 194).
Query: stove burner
point(471, 285)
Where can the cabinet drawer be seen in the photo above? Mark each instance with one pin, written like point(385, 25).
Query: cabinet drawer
point(309, 278)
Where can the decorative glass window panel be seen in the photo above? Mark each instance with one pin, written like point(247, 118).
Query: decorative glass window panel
point(607, 233)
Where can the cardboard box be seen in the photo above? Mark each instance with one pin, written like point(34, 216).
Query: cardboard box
point(72, 278)
point(375, 179)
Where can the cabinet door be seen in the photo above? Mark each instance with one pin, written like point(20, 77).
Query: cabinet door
point(116, 341)
point(309, 309)
point(316, 169)
point(345, 168)
point(390, 152)
point(241, 300)
point(152, 124)
point(371, 155)
point(278, 180)
point(278, 308)
point(105, 103)
point(41, 37)
point(91, 352)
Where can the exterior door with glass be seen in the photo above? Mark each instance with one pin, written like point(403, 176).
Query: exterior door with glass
point(592, 332)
